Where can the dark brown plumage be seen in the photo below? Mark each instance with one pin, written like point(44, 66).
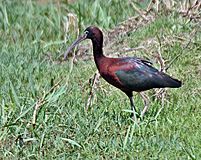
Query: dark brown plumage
point(128, 74)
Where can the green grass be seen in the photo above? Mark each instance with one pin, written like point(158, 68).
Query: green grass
point(64, 130)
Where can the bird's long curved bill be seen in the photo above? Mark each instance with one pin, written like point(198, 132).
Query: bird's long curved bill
point(81, 38)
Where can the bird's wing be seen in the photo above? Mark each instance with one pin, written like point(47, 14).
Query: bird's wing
point(135, 74)
point(144, 61)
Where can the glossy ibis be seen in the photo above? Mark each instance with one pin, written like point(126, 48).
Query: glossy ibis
point(129, 73)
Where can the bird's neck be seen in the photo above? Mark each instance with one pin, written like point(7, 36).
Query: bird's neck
point(98, 52)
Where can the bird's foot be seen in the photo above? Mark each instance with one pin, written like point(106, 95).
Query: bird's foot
point(136, 117)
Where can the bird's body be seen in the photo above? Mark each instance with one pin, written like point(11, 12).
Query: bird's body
point(133, 74)
point(128, 74)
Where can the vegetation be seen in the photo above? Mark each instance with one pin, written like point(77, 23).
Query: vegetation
point(34, 84)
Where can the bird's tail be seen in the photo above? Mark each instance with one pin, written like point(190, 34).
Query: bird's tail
point(171, 82)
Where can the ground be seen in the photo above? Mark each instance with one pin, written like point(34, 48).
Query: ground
point(43, 98)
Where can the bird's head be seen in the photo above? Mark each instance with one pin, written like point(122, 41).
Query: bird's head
point(92, 32)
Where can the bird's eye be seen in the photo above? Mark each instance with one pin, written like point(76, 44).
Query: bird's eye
point(86, 32)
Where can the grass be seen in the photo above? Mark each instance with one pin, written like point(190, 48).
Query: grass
point(64, 130)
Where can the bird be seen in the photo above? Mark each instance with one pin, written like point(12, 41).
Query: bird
point(125, 73)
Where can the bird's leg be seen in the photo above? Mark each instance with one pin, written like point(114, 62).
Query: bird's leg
point(146, 103)
point(133, 109)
